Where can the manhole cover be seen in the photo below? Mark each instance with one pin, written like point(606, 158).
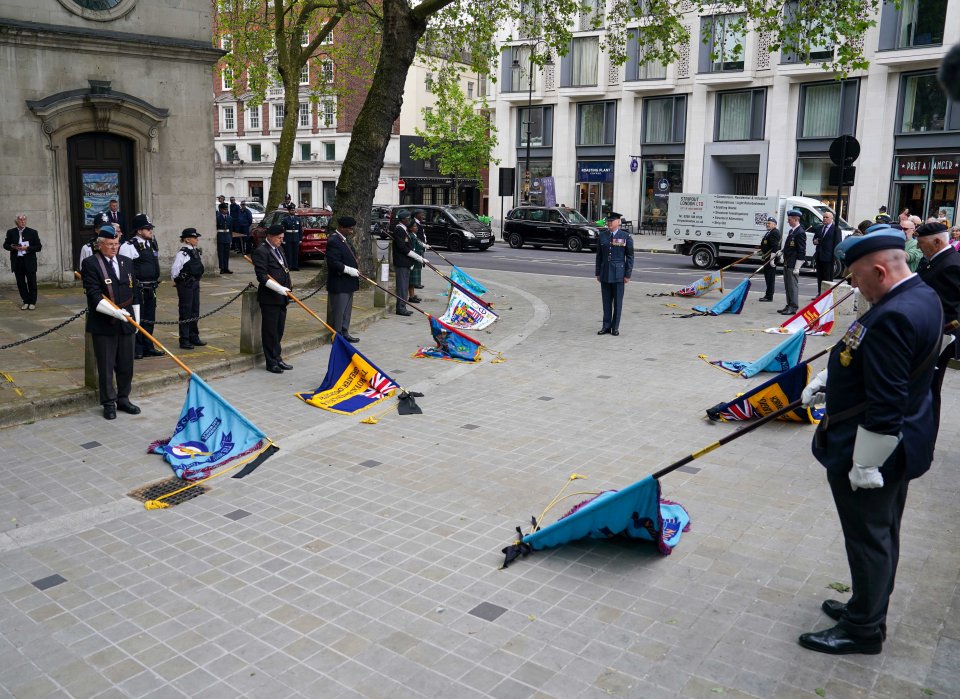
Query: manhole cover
point(169, 485)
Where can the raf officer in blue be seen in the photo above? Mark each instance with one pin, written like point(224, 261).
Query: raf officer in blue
point(878, 432)
point(613, 270)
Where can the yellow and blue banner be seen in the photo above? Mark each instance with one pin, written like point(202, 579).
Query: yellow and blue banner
point(352, 383)
point(770, 396)
point(452, 344)
point(211, 434)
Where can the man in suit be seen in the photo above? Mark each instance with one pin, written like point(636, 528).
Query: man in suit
point(403, 258)
point(273, 275)
point(878, 432)
point(113, 215)
point(614, 266)
point(109, 275)
point(143, 250)
point(794, 252)
point(769, 246)
point(343, 276)
point(826, 241)
point(24, 244)
point(224, 238)
point(186, 272)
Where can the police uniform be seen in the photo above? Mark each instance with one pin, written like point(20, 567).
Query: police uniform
point(342, 278)
point(613, 268)
point(769, 246)
point(269, 262)
point(879, 420)
point(146, 270)
point(293, 235)
point(794, 253)
point(224, 238)
point(186, 273)
point(112, 337)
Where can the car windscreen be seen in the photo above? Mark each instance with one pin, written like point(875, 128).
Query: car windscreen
point(840, 222)
point(574, 216)
point(458, 213)
point(310, 221)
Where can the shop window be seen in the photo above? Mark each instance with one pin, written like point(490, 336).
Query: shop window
point(540, 121)
point(580, 67)
point(638, 67)
point(923, 104)
point(596, 123)
point(664, 119)
point(740, 115)
point(660, 178)
point(724, 47)
point(255, 153)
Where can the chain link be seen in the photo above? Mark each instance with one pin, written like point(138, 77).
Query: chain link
point(45, 332)
point(209, 313)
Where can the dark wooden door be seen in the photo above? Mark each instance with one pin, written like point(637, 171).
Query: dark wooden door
point(101, 168)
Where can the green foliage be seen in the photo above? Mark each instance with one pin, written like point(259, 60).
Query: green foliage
point(839, 587)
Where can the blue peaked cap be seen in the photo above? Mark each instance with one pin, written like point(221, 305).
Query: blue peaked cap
point(878, 237)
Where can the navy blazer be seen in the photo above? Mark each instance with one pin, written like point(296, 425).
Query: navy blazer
point(827, 241)
point(265, 263)
point(340, 255)
point(13, 238)
point(902, 330)
point(96, 288)
point(794, 246)
point(942, 274)
point(614, 256)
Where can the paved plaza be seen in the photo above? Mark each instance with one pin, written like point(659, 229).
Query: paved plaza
point(363, 560)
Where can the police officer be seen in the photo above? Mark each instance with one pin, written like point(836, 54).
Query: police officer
point(613, 269)
point(403, 258)
point(224, 238)
point(273, 275)
point(343, 276)
point(769, 246)
point(109, 275)
point(794, 253)
point(292, 235)
point(91, 246)
point(186, 272)
point(142, 248)
point(878, 432)
point(826, 241)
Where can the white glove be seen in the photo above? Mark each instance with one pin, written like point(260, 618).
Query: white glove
point(108, 309)
point(815, 392)
point(275, 286)
point(351, 271)
point(414, 256)
point(797, 265)
point(870, 450)
point(945, 342)
point(136, 312)
point(778, 258)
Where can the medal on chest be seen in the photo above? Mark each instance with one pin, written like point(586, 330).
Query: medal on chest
point(851, 340)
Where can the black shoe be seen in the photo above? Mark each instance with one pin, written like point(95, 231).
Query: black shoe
point(283, 365)
point(614, 332)
point(787, 311)
point(785, 308)
point(835, 609)
point(198, 342)
point(110, 411)
point(418, 286)
point(415, 299)
point(128, 407)
point(350, 338)
point(274, 369)
point(604, 331)
point(837, 641)
point(151, 352)
point(764, 298)
point(138, 355)
point(404, 313)
point(185, 345)
point(225, 271)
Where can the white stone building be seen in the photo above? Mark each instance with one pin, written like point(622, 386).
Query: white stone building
point(623, 137)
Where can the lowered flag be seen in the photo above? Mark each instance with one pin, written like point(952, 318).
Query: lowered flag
point(352, 382)
point(451, 344)
point(467, 313)
point(210, 434)
point(816, 317)
point(703, 285)
point(782, 357)
point(468, 282)
point(770, 396)
point(731, 303)
point(636, 512)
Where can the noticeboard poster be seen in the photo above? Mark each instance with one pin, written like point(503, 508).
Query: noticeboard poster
point(98, 189)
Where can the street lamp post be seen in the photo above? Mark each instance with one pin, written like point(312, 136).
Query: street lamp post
point(516, 64)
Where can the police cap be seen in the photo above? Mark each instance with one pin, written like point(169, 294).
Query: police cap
point(795, 213)
point(346, 222)
point(189, 233)
point(880, 236)
point(771, 219)
point(613, 216)
point(141, 221)
point(931, 229)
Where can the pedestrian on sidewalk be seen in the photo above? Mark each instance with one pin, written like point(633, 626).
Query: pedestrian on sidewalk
point(108, 275)
point(142, 248)
point(186, 272)
point(794, 253)
point(224, 238)
point(24, 244)
point(769, 247)
point(273, 275)
point(343, 276)
point(614, 266)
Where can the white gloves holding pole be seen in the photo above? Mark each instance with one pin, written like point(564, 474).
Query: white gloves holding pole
point(815, 392)
point(869, 452)
point(108, 309)
point(351, 271)
point(277, 287)
point(414, 256)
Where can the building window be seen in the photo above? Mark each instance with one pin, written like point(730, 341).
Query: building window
point(278, 116)
point(584, 61)
point(226, 77)
point(813, 43)
point(740, 115)
point(304, 151)
point(664, 119)
point(329, 114)
point(255, 154)
point(726, 37)
point(230, 153)
point(541, 126)
point(329, 151)
point(305, 74)
point(326, 68)
point(303, 114)
point(328, 39)
point(229, 123)
point(921, 23)
point(226, 42)
point(596, 123)
point(253, 117)
point(923, 104)
point(638, 68)
point(821, 111)
point(469, 90)
point(428, 82)
point(483, 87)
point(305, 39)
point(255, 190)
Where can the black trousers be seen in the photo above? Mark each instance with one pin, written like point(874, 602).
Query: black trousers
point(148, 316)
point(611, 295)
point(114, 354)
point(25, 272)
point(223, 255)
point(824, 273)
point(273, 320)
point(870, 519)
point(770, 277)
point(291, 250)
point(188, 306)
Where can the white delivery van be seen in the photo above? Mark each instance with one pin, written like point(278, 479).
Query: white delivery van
point(711, 227)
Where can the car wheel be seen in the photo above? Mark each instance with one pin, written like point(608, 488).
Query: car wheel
point(516, 241)
point(574, 244)
point(837, 269)
point(455, 243)
point(703, 257)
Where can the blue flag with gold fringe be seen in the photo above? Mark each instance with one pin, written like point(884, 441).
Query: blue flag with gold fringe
point(352, 383)
point(770, 396)
point(211, 434)
point(785, 355)
point(731, 303)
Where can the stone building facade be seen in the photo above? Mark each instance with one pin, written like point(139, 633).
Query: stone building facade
point(104, 99)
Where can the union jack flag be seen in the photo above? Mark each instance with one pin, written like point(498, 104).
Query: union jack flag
point(738, 411)
point(380, 387)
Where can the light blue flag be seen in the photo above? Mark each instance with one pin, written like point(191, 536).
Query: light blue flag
point(210, 434)
point(731, 303)
point(465, 280)
point(782, 357)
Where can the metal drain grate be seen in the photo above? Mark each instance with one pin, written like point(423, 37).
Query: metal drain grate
point(169, 485)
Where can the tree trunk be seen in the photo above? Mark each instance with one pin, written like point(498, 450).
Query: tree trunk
point(374, 125)
point(288, 136)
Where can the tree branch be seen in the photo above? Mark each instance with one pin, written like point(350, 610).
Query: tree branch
point(427, 9)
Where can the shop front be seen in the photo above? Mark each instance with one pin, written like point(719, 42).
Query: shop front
point(540, 173)
point(926, 184)
point(594, 188)
point(661, 176)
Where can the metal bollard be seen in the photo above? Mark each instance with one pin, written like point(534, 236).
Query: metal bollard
point(251, 342)
point(90, 376)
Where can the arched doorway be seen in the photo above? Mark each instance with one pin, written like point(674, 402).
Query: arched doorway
point(101, 168)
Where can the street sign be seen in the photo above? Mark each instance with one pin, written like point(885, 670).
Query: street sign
point(849, 175)
point(844, 150)
point(401, 185)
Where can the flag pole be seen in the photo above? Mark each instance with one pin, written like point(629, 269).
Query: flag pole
point(382, 288)
point(437, 253)
point(736, 262)
point(453, 283)
point(152, 339)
